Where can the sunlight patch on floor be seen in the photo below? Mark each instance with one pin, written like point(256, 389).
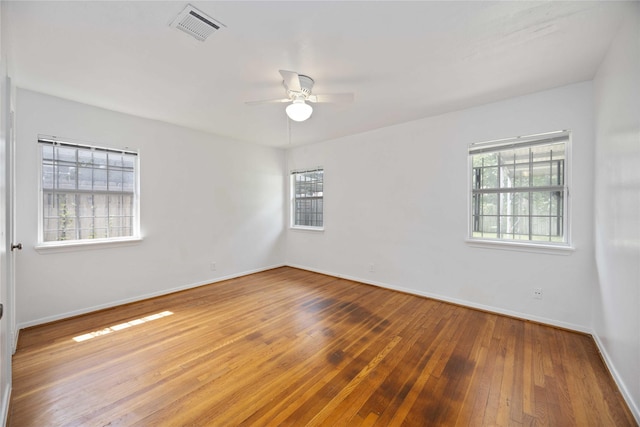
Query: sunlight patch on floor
point(121, 326)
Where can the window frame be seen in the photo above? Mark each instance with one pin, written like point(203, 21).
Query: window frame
point(563, 247)
point(292, 203)
point(75, 244)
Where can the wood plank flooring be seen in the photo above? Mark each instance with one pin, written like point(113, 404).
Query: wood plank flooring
point(293, 348)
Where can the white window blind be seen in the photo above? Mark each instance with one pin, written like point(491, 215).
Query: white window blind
point(87, 192)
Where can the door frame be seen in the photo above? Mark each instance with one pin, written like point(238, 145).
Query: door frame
point(7, 225)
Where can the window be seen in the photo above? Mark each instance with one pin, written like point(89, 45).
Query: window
point(87, 193)
point(519, 190)
point(307, 198)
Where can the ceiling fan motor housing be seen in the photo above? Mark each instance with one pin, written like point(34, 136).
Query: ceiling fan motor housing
point(306, 84)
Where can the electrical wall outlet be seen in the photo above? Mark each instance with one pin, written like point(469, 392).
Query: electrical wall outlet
point(372, 267)
point(213, 266)
point(537, 293)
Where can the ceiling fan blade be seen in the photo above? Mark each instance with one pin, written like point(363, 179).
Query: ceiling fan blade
point(291, 80)
point(332, 97)
point(268, 101)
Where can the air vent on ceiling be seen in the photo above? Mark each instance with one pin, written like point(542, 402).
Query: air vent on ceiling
point(196, 23)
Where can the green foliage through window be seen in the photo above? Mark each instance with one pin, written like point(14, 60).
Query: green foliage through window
point(518, 190)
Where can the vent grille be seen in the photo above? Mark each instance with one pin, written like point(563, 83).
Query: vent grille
point(195, 23)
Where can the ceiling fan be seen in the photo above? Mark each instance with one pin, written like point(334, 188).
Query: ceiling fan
point(298, 88)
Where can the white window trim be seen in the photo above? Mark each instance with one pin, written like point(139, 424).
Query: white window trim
point(76, 245)
point(306, 227)
point(292, 226)
point(555, 249)
point(81, 245)
point(560, 248)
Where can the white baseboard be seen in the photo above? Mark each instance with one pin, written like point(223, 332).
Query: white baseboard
point(15, 334)
point(465, 303)
point(73, 313)
point(633, 407)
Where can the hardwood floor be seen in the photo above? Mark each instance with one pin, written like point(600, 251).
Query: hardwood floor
point(291, 347)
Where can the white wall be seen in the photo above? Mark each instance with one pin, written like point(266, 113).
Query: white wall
point(203, 199)
point(616, 319)
point(397, 197)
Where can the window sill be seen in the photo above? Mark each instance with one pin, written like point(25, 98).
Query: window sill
point(302, 228)
point(522, 247)
point(79, 245)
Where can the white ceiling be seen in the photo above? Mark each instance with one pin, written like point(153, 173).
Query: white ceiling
point(403, 60)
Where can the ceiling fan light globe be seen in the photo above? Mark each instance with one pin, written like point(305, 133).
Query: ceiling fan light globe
point(299, 111)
